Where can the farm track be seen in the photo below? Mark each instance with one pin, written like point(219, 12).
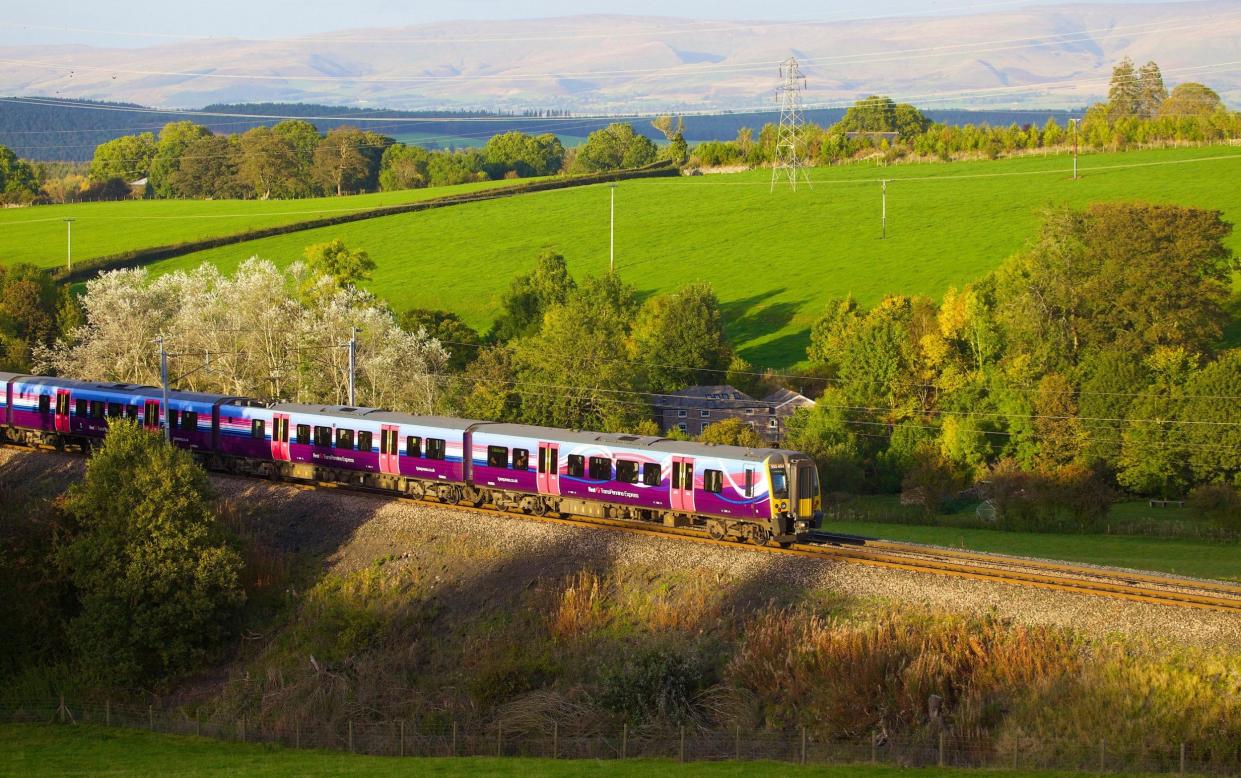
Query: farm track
point(1088, 580)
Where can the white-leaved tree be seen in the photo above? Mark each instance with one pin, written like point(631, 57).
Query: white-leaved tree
point(255, 333)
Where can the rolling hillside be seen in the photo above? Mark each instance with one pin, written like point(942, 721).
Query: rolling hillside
point(773, 258)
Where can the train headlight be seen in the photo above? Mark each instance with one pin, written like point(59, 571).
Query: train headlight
point(783, 506)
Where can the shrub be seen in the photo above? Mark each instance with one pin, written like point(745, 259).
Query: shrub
point(931, 482)
point(156, 579)
point(1219, 503)
point(661, 683)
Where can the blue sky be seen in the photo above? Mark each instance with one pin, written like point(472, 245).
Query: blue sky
point(143, 22)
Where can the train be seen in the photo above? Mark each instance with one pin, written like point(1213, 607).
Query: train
point(760, 496)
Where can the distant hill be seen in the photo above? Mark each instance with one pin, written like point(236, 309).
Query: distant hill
point(608, 63)
point(44, 130)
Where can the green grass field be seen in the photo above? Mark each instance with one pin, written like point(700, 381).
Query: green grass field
point(773, 258)
point(1170, 555)
point(34, 750)
point(37, 235)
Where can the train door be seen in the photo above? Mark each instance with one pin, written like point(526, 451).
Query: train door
point(150, 414)
point(807, 490)
point(61, 421)
point(548, 478)
point(389, 449)
point(683, 484)
point(280, 437)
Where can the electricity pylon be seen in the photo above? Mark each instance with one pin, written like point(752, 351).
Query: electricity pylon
point(788, 155)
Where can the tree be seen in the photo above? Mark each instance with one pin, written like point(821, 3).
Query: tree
point(1190, 99)
point(269, 164)
point(909, 121)
point(404, 167)
point(571, 373)
point(530, 295)
point(875, 113)
point(1060, 434)
point(674, 132)
point(615, 147)
point(128, 157)
point(339, 162)
point(336, 261)
point(1124, 95)
point(488, 388)
point(522, 155)
point(460, 340)
point(447, 168)
point(1151, 91)
point(174, 139)
point(732, 432)
point(32, 312)
point(304, 139)
point(208, 169)
point(157, 579)
point(18, 182)
point(678, 339)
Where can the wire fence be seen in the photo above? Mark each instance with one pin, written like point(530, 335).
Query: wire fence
point(674, 742)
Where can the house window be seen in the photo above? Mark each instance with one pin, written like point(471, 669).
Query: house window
point(600, 468)
point(703, 427)
point(323, 437)
point(344, 438)
point(436, 448)
point(626, 471)
point(497, 456)
point(365, 441)
point(713, 481)
point(652, 475)
point(682, 414)
point(256, 429)
point(521, 459)
point(577, 466)
point(773, 423)
point(749, 411)
point(704, 414)
point(413, 446)
point(682, 427)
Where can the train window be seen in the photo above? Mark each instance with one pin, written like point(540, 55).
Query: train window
point(543, 459)
point(713, 481)
point(189, 420)
point(45, 404)
point(497, 456)
point(435, 448)
point(600, 468)
point(521, 459)
point(577, 466)
point(115, 410)
point(676, 475)
point(150, 415)
point(626, 471)
point(303, 434)
point(687, 476)
point(96, 409)
point(779, 483)
point(807, 483)
point(749, 482)
point(174, 418)
point(80, 408)
point(257, 429)
point(323, 437)
point(413, 446)
point(366, 441)
point(344, 438)
point(652, 474)
point(131, 411)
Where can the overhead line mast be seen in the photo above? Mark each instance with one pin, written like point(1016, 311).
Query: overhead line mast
point(788, 159)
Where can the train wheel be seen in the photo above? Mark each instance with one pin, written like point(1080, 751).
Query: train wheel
point(415, 490)
point(535, 506)
point(758, 535)
point(716, 530)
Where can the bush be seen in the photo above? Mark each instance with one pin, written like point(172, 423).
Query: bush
point(1219, 503)
point(661, 683)
point(157, 581)
point(931, 482)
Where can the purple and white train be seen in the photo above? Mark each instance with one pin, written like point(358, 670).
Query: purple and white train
point(758, 495)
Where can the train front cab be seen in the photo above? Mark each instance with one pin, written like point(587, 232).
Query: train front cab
point(796, 503)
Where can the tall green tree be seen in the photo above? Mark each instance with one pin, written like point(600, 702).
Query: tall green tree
point(1124, 94)
point(33, 311)
point(1191, 99)
point(1151, 91)
point(340, 164)
point(269, 164)
point(678, 339)
point(522, 155)
point(155, 575)
point(18, 181)
point(457, 337)
point(209, 168)
point(304, 139)
point(530, 295)
point(614, 147)
point(174, 139)
point(335, 260)
point(128, 157)
point(404, 167)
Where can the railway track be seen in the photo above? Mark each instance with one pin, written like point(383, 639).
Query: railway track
point(1088, 580)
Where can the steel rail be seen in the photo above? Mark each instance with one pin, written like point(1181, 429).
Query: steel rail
point(985, 567)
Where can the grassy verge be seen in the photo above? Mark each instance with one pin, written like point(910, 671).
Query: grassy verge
point(1170, 555)
point(773, 258)
point(34, 750)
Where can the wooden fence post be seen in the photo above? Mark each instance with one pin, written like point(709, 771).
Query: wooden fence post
point(941, 749)
point(107, 713)
point(682, 742)
point(1102, 752)
point(1182, 757)
point(624, 739)
point(297, 734)
point(737, 743)
point(351, 736)
point(402, 748)
point(874, 750)
point(803, 744)
point(555, 739)
point(151, 717)
point(454, 738)
point(243, 729)
point(499, 738)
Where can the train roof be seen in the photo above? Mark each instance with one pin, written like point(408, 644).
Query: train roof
point(113, 387)
point(621, 440)
point(373, 415)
